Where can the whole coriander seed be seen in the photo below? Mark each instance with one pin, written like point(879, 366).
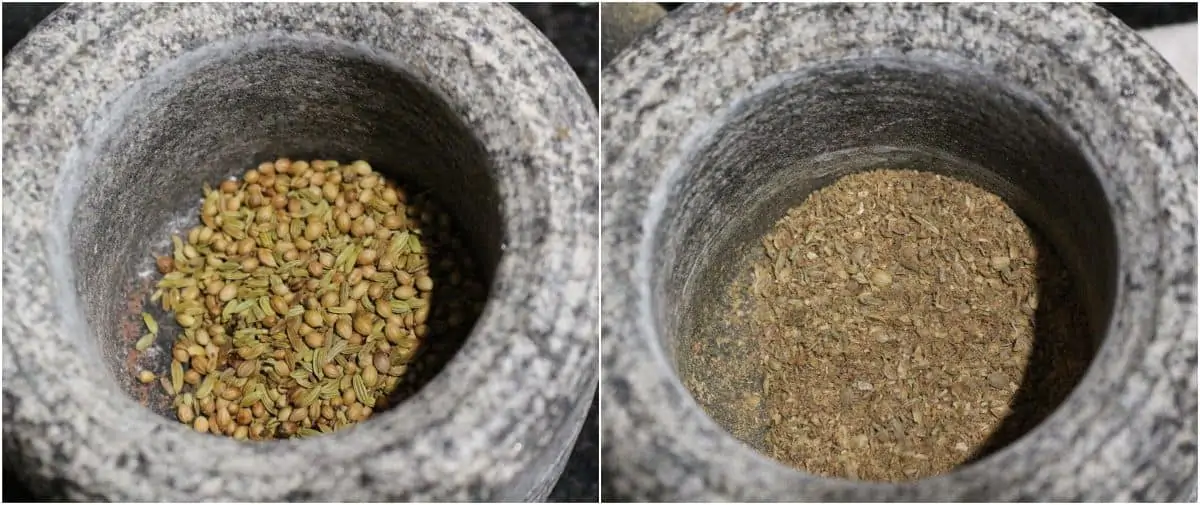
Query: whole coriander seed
point(146, 377)
point(296, 285)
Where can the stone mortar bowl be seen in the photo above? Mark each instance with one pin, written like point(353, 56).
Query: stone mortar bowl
point(115, 115)
point(722, 116)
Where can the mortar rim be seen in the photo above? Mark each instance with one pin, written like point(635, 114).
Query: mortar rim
point(651, 106)
point(533, 142)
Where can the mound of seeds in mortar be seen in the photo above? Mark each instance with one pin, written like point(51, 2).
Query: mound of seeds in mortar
point(302, 297)
point(892, 318)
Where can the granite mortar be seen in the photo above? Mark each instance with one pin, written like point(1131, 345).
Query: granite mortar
point(115, 114)
point(722, 116)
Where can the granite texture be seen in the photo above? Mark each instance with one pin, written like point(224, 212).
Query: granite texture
point(1137, 15)
point(1179, 45)
point(574, 30)
point(623, 22)
point(113, 111)
point(1090, 131)
point(20, 18)
point(572, 27)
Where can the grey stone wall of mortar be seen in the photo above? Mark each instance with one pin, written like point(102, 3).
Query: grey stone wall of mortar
point(527, 373)
point(623, 22)
point(1128, 432)
point(572, 27)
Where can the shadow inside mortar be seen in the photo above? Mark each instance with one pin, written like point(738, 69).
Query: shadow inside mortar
point(459, 295)
point(1062, 349)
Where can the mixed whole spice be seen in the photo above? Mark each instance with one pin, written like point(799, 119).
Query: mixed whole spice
point(891, 321)
point(303, 296)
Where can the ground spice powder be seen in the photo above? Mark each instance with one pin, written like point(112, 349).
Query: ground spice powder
point(902, 322)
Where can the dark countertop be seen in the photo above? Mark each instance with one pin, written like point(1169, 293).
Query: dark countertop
point(574, 28)
point(1148, 15)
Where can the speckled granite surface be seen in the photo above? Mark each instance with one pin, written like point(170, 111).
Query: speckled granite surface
point(1127, 433)
point(485, 458)
point(574, 29)
point(1137, 15)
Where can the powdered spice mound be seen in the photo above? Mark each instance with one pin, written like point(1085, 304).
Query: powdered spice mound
point(895, 316)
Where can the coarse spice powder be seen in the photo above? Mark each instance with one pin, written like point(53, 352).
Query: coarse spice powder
point(894, 325)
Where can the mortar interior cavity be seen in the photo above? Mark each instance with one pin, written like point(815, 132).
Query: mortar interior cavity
point(220, 110)
point(808, 129)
